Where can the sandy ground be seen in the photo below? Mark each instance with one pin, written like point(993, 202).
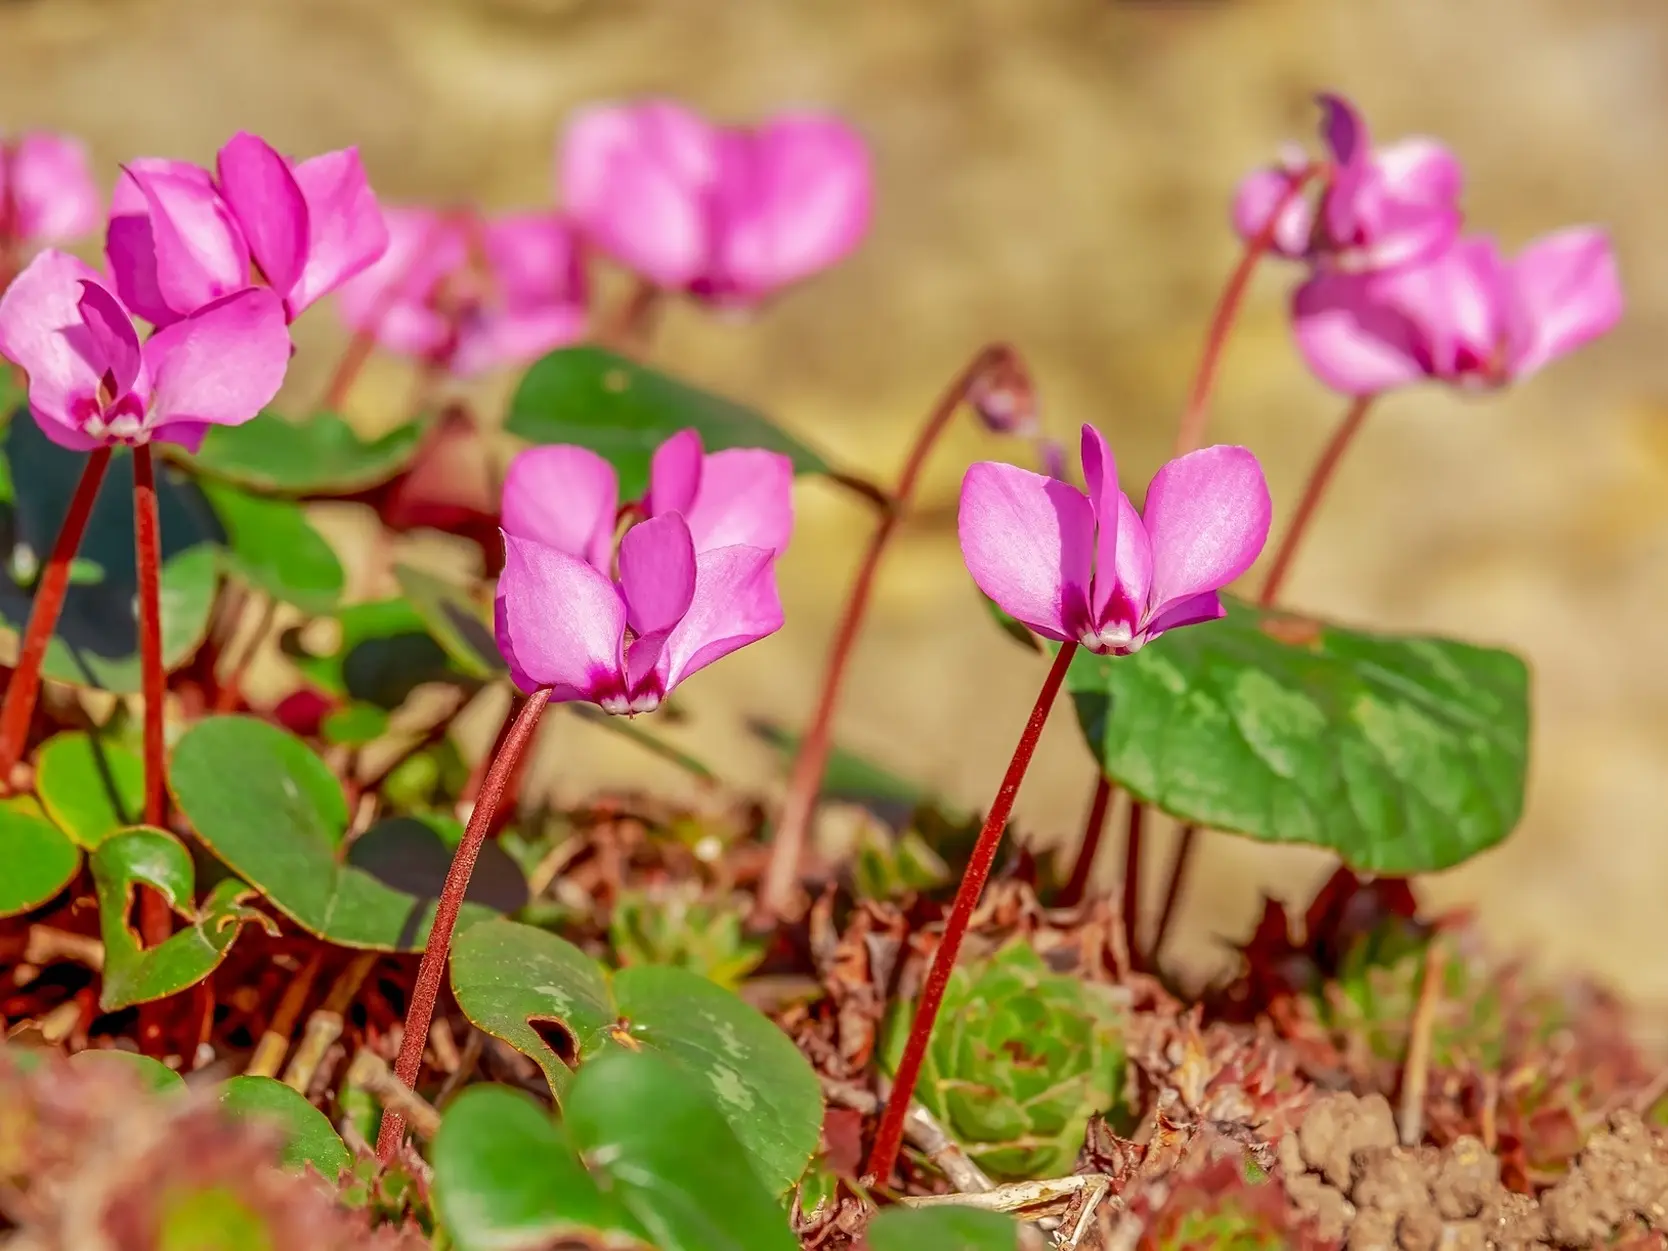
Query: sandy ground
point(1056, 172)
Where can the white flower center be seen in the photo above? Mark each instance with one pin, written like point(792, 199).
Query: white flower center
point(125, 428)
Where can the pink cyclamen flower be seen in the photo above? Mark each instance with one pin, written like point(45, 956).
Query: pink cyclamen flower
point(1379, 208)
point(181, 237)
point(1470, 317)
point(471, 295)
point(91, 381)
point(567, 497)
point(729, 214)
point(46, 188)
point(1087, 568)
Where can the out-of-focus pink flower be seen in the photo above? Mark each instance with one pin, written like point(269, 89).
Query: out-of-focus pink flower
point(728, 214)
point(1470, 317)
point(470, 294)
point(625, 642)
point(1378, 208)
point(46, 189)
point(92, 383)
point(1087, 568)
point(181, 237)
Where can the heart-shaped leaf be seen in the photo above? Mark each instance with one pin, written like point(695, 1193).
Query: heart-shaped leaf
point(152, 1075)
point(39, 861)
point(272, 546)
point(551, 1001)
point(949, 1227)
point(319, 455)
point(461, 626)
point(90, 787)
point(385, 652)
point(1403, 755)
point(413, 853)
point(506, 1175)
point(623, 411)
point(266, 805)
point(133, 974)
point(309, 1137)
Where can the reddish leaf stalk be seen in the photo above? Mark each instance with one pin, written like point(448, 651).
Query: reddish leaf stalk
point(805, 780)
point(18, 710)
point(433, 966)
point(1132, 879)
point(1173, 891)
point(1314, 490)
point(889, 1136)
point(155, 919)
point(1093, 828)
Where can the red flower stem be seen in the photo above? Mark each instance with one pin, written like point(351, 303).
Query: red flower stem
point(477, 776)
point(1320, 477)
point(18, 710)
point(433, 966)
point(793, 825)
point(889, 1136)
point(1132, 880)
point(1173, 891)
point(1093, 828)
point(155, 917)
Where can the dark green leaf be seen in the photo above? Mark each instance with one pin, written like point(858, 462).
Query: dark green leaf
point(321, 455)
point(413, 853)
point(39, 861)
point(272, 810)
point(133, 974)
point(461, 626)
point(551, 1001)
point(946, 1228)
point(1403, 755)
point(152, 1075)
point(354, 725)
point(309, 1137)
point(1011, 627)
point(623, 411)
point(385, 653)
point(90, 787)
point(273, 547)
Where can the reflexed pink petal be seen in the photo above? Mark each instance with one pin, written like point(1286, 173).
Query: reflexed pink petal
point(1420, 171)
point(257, 185)
point(498, 339)
point(1345, 207)
point(1256, 199)
point(1353, 339)
point(346, 230)
point(1125, 601)
point(1186, 612)
point(186, 434)
point(1461, 301)
point(222, 364)
point(391, 297)
point(112, 342)
point(535, 260)
point(52, 188)
point(1207, 515)
point(42, 332)
point(1100, 474)
point(674, 474)
point(745, 499)
point(657, 573)
point(564, 497)
point(130, 243)
point(560, 624)
point(1342, 130)
point(200, 253)
point(1029, 543)
point(1568, 291)
point(735, 603)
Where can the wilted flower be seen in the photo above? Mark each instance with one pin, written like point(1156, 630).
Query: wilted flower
point(1090, 569)
point(470, 294)
point(181, 237)
point(1378, 208)
point(1469, 317)
point(92, 383)
point(46, 188)
point(728, 214)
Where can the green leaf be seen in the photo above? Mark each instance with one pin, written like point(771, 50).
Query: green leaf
point(273, 811)
point(211, 1218)
point(1012, 627)
point(320, 455)
point(90, 787)
point(506, 1175)
point(39, 861)
point(551, 1001)
point(152, 1075)
point(309, 1137)
point(623, 411)
point(96, 642)
point(385, 653)
point(670, 1156)
point(1403, 755)
point(460, 625)
point(354, 725)
point(272, 546)
point(133, 974)
point(946, 1228)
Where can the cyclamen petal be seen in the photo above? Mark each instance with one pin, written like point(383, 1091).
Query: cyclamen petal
point(739, 496)
point(560, 624)
point(43, 333)
point(564, 497)
point(674, 474)
point(200, 254)
point(735, 603)
point(266, 201)
point(1100, 473)
point(346, 230)
point(50, 183)
point(1255, 201)
point(1029, 543)
point(1207, 515)
point(1353, 339)
point(1568, 292)
point(657, 574)
point(392, 297)
point(223, 364)
point(111, 338)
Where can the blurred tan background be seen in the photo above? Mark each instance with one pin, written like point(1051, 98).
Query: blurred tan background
point(1057, 172)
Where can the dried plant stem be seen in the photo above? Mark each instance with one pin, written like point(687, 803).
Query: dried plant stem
point(155, 918)
point(1314, 490)
point(275, 1040)
point(439, 946)
point(324, 1026)
point(889, 1135)
point(924, 1133)
point(1093, 828)
point(1410, 1123)
point(228, 692)
point(1132, 880)
point(1173, 891)
point(370, 1073)
point(18, 710)
point(776, 894)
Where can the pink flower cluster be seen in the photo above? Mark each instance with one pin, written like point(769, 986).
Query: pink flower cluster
point(1395, 293)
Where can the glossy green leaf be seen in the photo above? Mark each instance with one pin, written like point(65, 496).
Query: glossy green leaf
point(39, 861)
point(133, 974)
point(153, 1075)
point(461, 626)
point(309, 1137)
point(272, 547)
point(354, 725)
point(320, 455)
point(1403, 755)
point(273, 811)
point(623, 411)
point(413, 853)
point(90, 787)
point(946, 1228)
point(506, 1175)
point(385, 652)
point(551, 1001)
